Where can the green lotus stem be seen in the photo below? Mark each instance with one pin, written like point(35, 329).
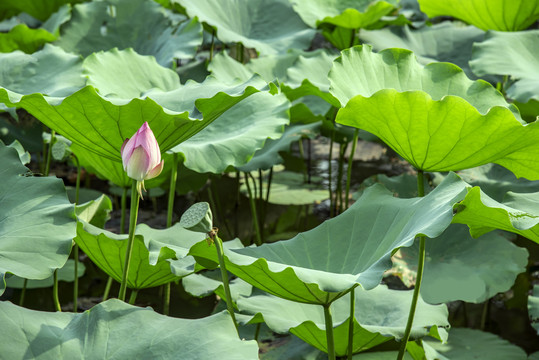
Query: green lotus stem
point(133, 212)
point(107, 288)
point(123, 210)
point(340, 174)
point(166, 301)
point(420, 266)
point(351, 324)
point(239, 52)
point(329, 332)
point(265, 199)
point(76, 247)
point(170, 211)
point(257, 331)
point(49, 154)
point(55, 298)
point(133, 296)
point(302, 155)
point(237, 205)
point(253, 211)
point(212, 45)
point(224, 276)
point(330, 173)
point(484, 315)
point(23, 292)
point(349, 170)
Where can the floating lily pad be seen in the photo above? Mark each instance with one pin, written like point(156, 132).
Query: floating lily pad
point(502, 15)
point(521, 61)
point(139, 24)
point(519, 213)
point(312, 268)
point(37, 220)
point(457, 136)
point(46, 335)
point(380, 315)
point(151, 251)
point(458, 267)
point(269, 27)
point(65, 273)
point(533, 308)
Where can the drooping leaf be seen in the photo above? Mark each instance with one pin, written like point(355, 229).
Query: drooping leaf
point(269, 27)
point(502, 15)
point(519, 213)
point(208, 283)
point(445, 135)
point(65, 273)
point(380, 315)
point(440, 42)
point(458, 267)
point(116, 330)
point(269, 156)
point(359, 71)
point(475, 344)
point(139, 24)
point(533, 308)
point(235, 136)
point(95, 212)
point(312, 268)
point(37, 225)
point(24, 39)
point(520, 60)
point(344, 13)
point(151, 251)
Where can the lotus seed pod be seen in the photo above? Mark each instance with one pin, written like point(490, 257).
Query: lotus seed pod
point(198, 218)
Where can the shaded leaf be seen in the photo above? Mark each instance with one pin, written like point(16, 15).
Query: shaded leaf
point(204, 285)
point(311, 268)
point(65, 273)
point(533, 308)
point(39, 9)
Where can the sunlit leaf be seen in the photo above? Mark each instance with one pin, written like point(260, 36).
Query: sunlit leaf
point(520, 60)
point(139, 24)
point(116, 330)
point(311, 268)
point(380, 315)
point(503, 15)
point(40, 9)
point(22, 38)
point(95, 212)
point(270, 27)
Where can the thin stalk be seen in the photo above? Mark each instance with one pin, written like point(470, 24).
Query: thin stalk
point(309, 160)
point(351, 324)
point(123, 210)
point(55, 298)
point(329, 332)
point(484, 315)
point(224, 276)
point(166, 302)
point(253, 211)
point(49, 154)
point(107, 288)
point(237, 206)
point(212, 44)
point(330, 174)
point(257, 331)
point(349, 170)
point(170, 211)
point(133, 296)
point(76, 247)
point(239, 52)
point(420, 266)
point(133, 212)
point(340, 174)
point(261, 203)
point(23, 292)
point(302, 155)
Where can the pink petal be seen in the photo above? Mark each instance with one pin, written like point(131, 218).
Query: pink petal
point(137, 166)
point(155, 171)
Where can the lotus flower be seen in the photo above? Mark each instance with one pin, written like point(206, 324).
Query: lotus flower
point(141, 156)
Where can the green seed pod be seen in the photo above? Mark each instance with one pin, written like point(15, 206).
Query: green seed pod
point(198, 218)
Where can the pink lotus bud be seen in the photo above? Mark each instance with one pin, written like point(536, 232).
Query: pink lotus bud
point(141, 156)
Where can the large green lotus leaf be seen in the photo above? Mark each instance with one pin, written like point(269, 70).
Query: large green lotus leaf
point(359, 71)
point(50, 71)
point(458, 267)
point(519, 213)
point(521, 61)
point(268, 156)
point(25, 39)
point(148, 268)
point(39, 9)
point(116, 330)
point(236, 135)
point(270, 27)
point(204, 285)
point(36, 220)
point(502, 15)
point(533, 308)
point(445, 41)
point(65, 273)
point(380, 315)
point(103, 167)
point(313, 268)
point(124, 74)
point(349, 14)
point(445, 135)
point(468, 344)
point(139, 24)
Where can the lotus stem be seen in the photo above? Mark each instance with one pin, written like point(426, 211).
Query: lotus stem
point(123, 210)
point(55, 298)
point(107, 288)
point(170, 211)
point(253, 211)
point(351, 324)
point(133, 212)
point(349, 170)
point(212, 45)
point(340, 174)
point(330, 173)
point(420, 266)
point(257, 331)
point(23, 292)
point(133, 296)
point(224, 276)
point(49, 154)
point(329, 332)
point(76, 247)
